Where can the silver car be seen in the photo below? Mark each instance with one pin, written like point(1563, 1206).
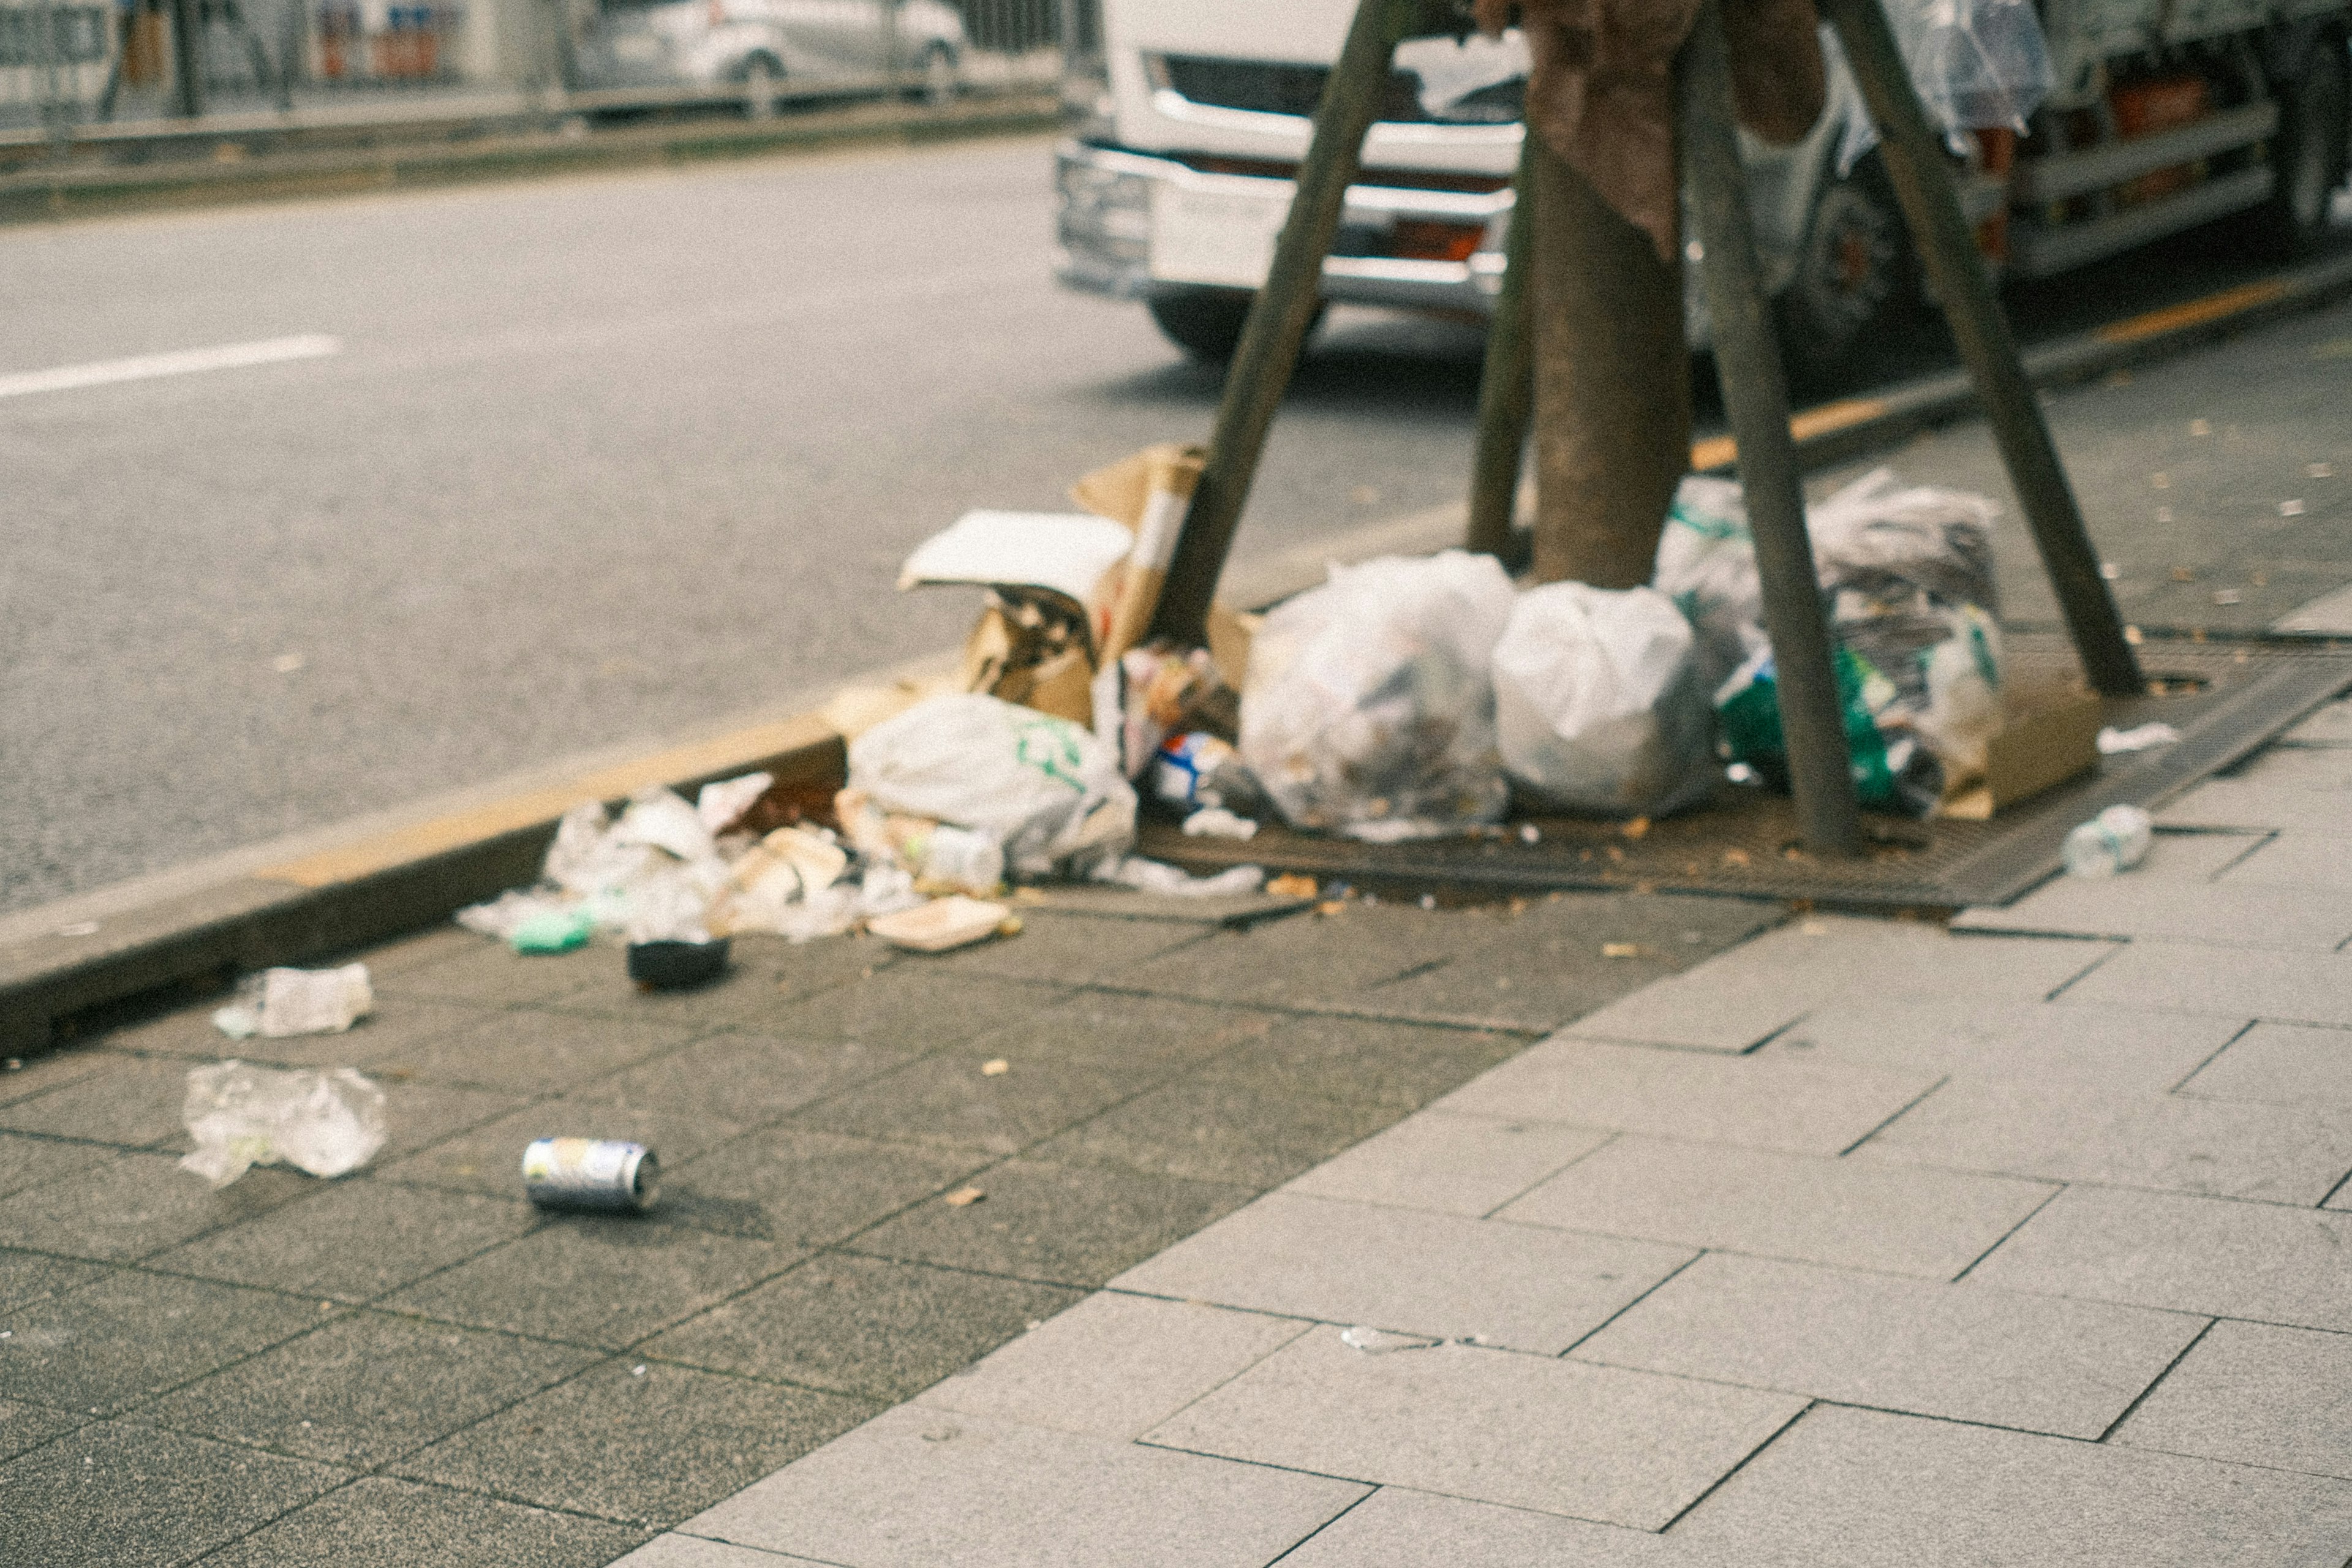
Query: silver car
point(770, 47)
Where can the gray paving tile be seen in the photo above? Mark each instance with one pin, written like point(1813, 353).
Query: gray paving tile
point(913, 1009)
point(1400, 1065)
point(1447, 1162)
point(1105, 902)
point(2327, 726)
point(2314, 862)
point(378, 1522)
point(693, 1551)
point(1218, 1133)
point(861, 1326)
point(1311, 961)
point(1855, 1486)
point(354, 1241)
point(2280, 1064)
point(2192, 857)
point(1775, 1103)
point(1065, 950)
point(2229, 914)
point(407, 954)
point(917, 1487)
point(400, 1027)
point(127, 1336)
point(532, 1053)
point(1963, 1351)
point(488, 1158)
point(807, 1188)
point(419, 1115)
point(2274, 1154)
point(1411, 1273)
point(1697, 1011)
point(948, 1102)
point(363, 1389)
point(29, 1162)
point(52, 1070)
point(135, 1104)
point(24, 1427)
point(2034, 1042)
point(2296, 767)
point(1395, 1528)
point(1597, 1443)
point(597, 1279)
point(744, 1079)
point(1142, 1034)
point(651, 1447)
point(2242, 804)
point(29, 1276)
point(764, 980)
point(1113, 1365)
point(113, 1496)
point(491, 975)
point(1061, 1224)
point(1843, 1213)
point(2192, 1255)
point(133, 1205)
point(2224, 982)
point(2255, 1394)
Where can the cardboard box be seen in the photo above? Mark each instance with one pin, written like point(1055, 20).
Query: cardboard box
point(2049, 733)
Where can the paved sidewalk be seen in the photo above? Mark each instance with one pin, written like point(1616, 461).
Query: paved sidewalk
point(1863, 1243)
point(411, 1367)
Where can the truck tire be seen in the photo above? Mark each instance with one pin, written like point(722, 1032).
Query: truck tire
point(1206, 324)
point(1851, 273)
point(2309, 152)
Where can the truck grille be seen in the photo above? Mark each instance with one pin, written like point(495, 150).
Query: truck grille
point(1272, 87)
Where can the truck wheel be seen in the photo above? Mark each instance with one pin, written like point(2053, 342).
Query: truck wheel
point(1206, 324)
point(2309, 153)
point(1848, 276)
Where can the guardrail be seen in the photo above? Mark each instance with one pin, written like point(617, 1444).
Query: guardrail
point(76, 74)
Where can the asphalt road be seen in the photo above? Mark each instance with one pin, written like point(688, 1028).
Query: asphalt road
point(601, 459)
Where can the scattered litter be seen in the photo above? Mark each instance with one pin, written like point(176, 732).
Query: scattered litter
point(2200, 428)
point(278, 1003)
point(1601, 702)
point(941, 925)
point(1369, 705)
point(1379, 1341)
point(1153, 877)
point(2290, 508)
point(288, 663)
point(1530, 833)
point(241, 1115)
point(1637, 828)
point(2161, 481)
point(2139, 737)
point(638, 1369)
point(79, 928)
point(607, 1174)
point(2319, 470)
point(2133, 635)
point(722, 805)
point(1624, 949)
point(1216, 822)
point(1429, 900)
point(964, 1197)
point(2227, 597)
point(2116, 840)
point(14, 1064)
point(1291, 885)
point(2164, 514)
point(2112, 571)
point(553, 931)
point(667, 964)
point(1199, 770)
point(995, 1067)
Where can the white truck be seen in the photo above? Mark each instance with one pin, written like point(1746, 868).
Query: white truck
point(1187, 119)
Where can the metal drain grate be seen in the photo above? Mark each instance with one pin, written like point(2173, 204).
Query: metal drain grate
point(1744, 841)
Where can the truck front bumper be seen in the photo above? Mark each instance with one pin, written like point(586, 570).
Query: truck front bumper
point(1119, 213)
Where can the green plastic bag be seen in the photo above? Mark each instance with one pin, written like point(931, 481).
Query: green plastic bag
point(1750, 718)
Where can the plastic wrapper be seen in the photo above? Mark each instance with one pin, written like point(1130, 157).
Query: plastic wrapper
point(240, 1116)
point(1706, 565)
point(1370, 708)
point(278, 1003)
point(1047, 790)
point(1976, 64)
point(1600, 702)
point(1157, 876)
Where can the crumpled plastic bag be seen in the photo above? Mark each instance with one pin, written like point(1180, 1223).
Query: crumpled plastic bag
point(1370, 706)
point(278, 1003)
point(1047, 789)
point(1976, 64)
point(241, 1115)
point(1706, 565)
point(1159, 876)
point(1600, 702)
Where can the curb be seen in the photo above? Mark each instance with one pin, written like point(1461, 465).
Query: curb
point(359, 888)
point(426, 159)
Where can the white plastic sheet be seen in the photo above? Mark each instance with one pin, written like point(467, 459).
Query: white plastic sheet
point(278, 1003)
point(240, 1116)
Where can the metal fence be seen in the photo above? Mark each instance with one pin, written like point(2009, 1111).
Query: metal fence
point(68, 65)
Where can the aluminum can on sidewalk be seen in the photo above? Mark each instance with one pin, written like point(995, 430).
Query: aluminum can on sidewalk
point(591, 1174)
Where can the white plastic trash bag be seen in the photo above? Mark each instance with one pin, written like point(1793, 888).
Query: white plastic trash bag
point(1047, 790)
point(278, 1003)
point(1706, 565)
point(1600, 703)
point(1370, 708)
point(241, 1115)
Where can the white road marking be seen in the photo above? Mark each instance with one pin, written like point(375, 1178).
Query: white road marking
point(185, 362)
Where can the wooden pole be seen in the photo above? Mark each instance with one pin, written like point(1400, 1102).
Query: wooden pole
point(1756, 395)
point(1915, 160)
point(1506, 387)
point(1267, 355)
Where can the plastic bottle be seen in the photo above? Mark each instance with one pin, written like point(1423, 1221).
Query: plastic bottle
point(2114, 840)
